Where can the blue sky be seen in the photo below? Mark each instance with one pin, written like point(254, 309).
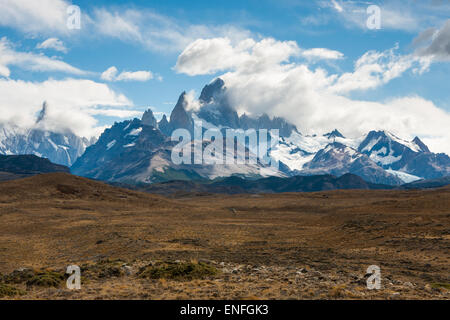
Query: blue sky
point(149, 37)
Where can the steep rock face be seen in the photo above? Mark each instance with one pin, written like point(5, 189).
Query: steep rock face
point(179, 118)
point(217, 110)
point(121, 151)
point(214, 91)
point(164, 126)
point(148, 119)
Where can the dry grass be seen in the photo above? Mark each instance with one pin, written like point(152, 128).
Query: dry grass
point(52, 221)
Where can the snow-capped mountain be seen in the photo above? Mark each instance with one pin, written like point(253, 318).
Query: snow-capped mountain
point(60, 148)
point(140, 150)
point(137, 151)
point(411, 157)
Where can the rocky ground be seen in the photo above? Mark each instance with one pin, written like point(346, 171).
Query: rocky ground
point(132, 245)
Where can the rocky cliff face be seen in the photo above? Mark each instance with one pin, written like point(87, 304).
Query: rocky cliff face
point(179, 118)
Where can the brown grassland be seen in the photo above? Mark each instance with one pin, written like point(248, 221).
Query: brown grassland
point(132, 245)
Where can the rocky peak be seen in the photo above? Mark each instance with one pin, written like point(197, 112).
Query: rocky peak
point(164, 125)
point(179, 118)
point(148, 119)
point(213, 91)
point(421, 145)
point(334, 134)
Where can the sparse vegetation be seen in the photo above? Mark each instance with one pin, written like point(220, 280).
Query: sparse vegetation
point(46, 278)
point(438, 285)
point(107, 268)
point(278, 246)
point(178, 271)
point(19, 276)
point(9, 291)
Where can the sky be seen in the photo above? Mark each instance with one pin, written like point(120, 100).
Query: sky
point(322, 64)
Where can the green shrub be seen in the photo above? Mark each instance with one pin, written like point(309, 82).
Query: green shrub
point(9, 291)
point(438, 285)
point(19, 276)
point(46, 279)
point(178, 271)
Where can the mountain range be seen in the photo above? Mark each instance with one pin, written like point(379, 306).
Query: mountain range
point(59, 147)
point(139, 150)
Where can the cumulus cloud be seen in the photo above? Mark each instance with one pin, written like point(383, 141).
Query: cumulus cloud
point(72, 103)
point(31, 61)
point(111, 75)
point(374, 69)
point(208, 56)
point(434, 43)
point(52, 43)
point(315, 100)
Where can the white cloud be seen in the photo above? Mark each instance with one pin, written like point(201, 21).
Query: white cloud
point(374, 69)
point(52, 43)
point(208, 56)
point(37, 17)
point(337, 6)
point(434, 43)
point(144, 27)
point(395, 15)
point(111, 75)
point(322, 54)
point(154, 31)
point(72, 103)
point(31, 61)
point(315, 100)
point(134, 76)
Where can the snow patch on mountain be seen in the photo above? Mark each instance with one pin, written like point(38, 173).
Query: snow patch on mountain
point(406, 178)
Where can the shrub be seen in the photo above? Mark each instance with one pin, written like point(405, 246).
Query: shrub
point(9, 291)
point(46, 279)
point(178, 271)
point(438, 285)
point(104, 269)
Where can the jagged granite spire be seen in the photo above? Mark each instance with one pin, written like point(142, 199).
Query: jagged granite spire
point(179, 118)
point(164, 126)
point(148, 119)
point(212, 91)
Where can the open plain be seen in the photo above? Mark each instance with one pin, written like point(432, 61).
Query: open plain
point(264, 246)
